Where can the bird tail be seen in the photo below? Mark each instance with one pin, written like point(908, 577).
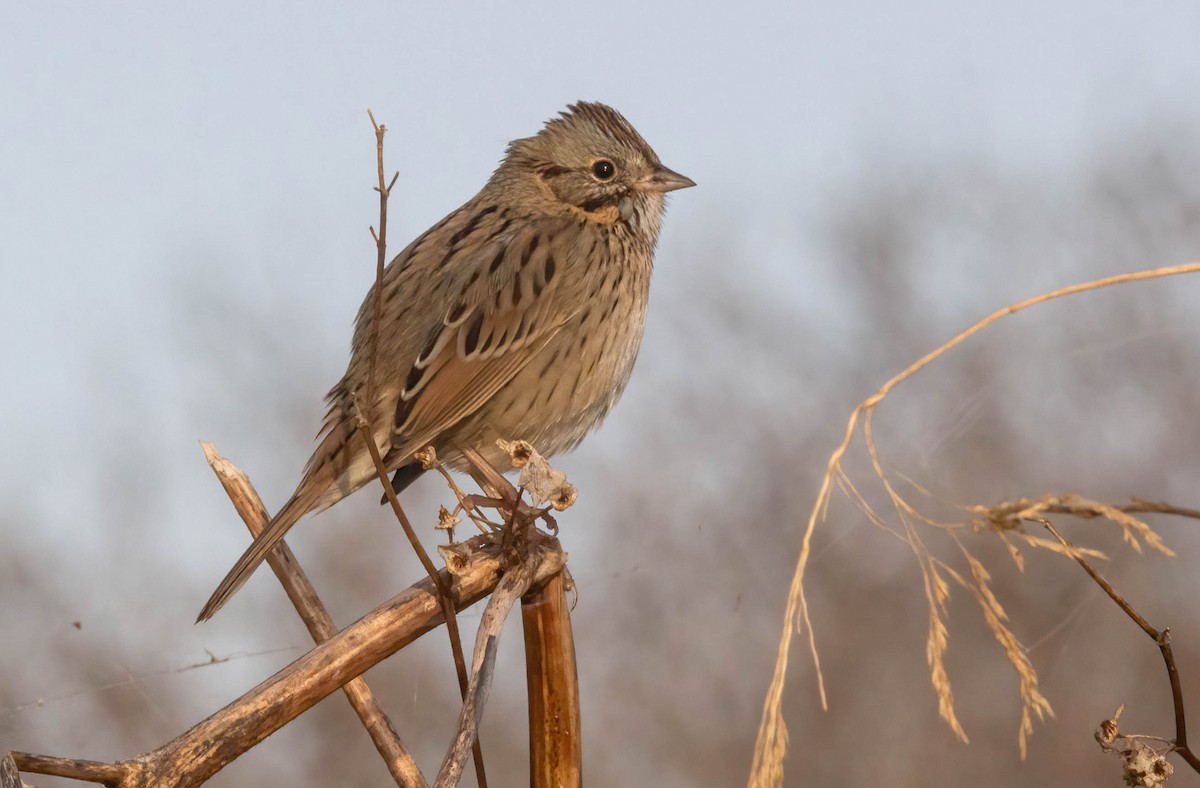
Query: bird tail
point(301, 502)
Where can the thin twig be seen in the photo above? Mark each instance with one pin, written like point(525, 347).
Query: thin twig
point(488, 477)
point(1161, 639)
point(444, 597)
point(385, 191)
point(464, 501)
point(516, 581)
point(1150, 507)
point(456, 649)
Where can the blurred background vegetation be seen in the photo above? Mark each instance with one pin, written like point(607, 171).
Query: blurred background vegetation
point(185, 208)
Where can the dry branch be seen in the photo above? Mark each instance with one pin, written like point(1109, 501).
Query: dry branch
point(555, 751)
point(456, 650)
point(1162, 639)
point(1143, 758)
point(385, 190)
point(516, 581)
point(199, 753)
point(320, 624)
point(9, 776)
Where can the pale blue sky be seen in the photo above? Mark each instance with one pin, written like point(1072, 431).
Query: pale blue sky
point(140, 141)
point(147, 149)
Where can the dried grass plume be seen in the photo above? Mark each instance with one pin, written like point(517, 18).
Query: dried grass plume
point(1006, 521)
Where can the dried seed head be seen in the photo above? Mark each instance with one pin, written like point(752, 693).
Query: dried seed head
point(519, 452)
point(455, 556)
point(427, 457)
point(566, 496)
point(1108, 730)
point(1144, 767)
point(446, 520)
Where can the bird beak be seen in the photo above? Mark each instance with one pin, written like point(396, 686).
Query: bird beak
point(665, 180)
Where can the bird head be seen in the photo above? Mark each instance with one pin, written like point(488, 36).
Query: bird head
point(591, 161)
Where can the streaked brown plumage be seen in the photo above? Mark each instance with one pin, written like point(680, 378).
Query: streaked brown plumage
point(519, 315)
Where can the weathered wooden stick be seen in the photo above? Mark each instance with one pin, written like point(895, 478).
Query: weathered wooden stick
point(300, 591)
point(122, 773)
point(555, 750)
point(201, 752)
point(516, 581)
point(9, 776)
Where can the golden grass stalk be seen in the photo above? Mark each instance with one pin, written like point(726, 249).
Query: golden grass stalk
point(771, 745)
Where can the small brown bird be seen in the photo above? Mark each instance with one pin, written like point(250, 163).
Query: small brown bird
point(517, 316)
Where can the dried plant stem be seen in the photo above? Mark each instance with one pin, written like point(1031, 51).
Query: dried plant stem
point(1137, 507)
point(506, 569)
point(464, 501)
point(385, 190)
point(460, 663)
point(1161, 639)
point(9, 776)
point(555, 751)
point(190, 759)
point(119, 775)
point(771, 744)
point(518, 576)
point(488, 477)
point(282, 561)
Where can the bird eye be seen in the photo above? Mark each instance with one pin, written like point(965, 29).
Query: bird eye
point(603, 169)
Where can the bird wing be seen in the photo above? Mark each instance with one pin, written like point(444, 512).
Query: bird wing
point(507, 310)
